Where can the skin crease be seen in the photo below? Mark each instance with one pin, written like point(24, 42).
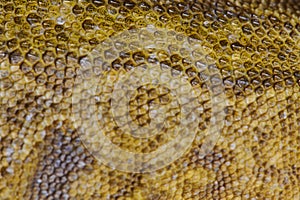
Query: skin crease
point(253, 44)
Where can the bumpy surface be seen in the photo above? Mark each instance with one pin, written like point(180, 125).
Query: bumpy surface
point(253, 44)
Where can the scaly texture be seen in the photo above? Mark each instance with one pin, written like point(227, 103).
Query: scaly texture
point(253, 44)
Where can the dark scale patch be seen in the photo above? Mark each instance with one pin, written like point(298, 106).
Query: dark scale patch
point(63, 157)
point(213, 160)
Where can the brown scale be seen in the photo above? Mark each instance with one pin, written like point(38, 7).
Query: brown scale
point(62, 156)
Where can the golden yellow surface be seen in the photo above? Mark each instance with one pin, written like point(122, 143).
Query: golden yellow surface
point(253, 44)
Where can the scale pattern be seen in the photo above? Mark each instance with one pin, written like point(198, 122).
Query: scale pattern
point(253, 44)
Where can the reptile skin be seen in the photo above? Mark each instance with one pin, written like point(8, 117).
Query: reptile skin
point(254, 46)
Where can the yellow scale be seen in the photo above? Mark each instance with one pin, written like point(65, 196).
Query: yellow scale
point(169, 100)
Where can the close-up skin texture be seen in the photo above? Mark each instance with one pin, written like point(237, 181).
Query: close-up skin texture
point(247, 72)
